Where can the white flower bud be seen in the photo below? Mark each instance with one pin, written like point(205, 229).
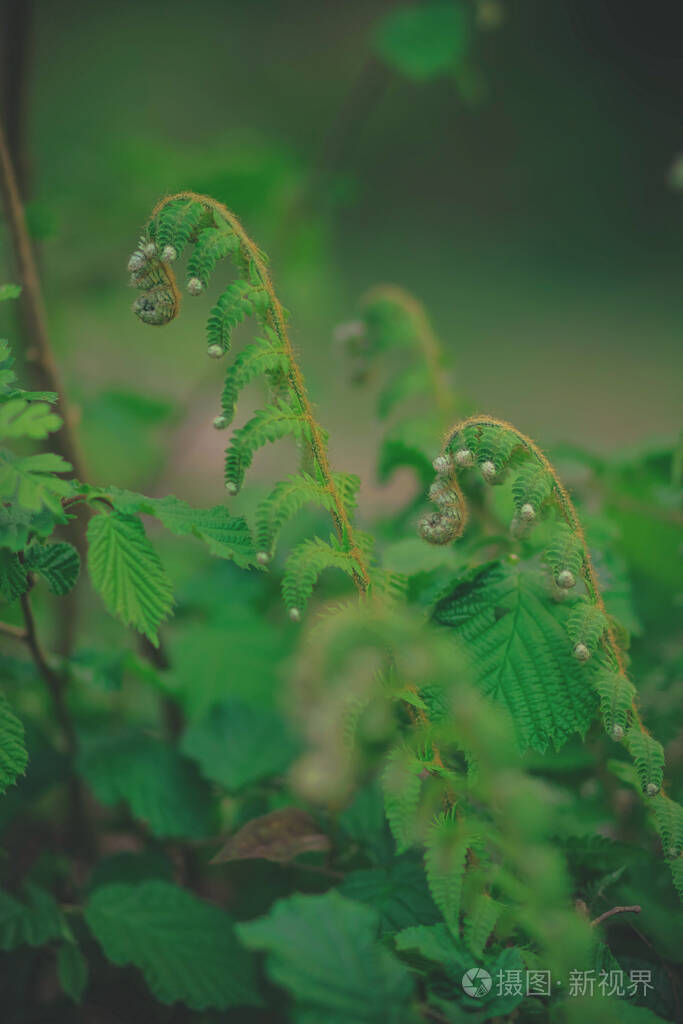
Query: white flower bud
point(215, 351)
point(231, 487)
point(262, 557)
point(149, 249)
point(581, 652)
point(442, 464)
point(220, 422)
point(295, 615)
point(527, 512)
point(566, 579)
point(195, 286)
point(169, 253)
point(488, 471)
point(464, 458)
point(617, 733)
point(652, 789)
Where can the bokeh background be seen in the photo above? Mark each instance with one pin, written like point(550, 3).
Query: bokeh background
point(526, 193)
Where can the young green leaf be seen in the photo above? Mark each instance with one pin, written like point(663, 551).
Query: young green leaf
point(185, 948)
point(125, 569)
point(72, 970)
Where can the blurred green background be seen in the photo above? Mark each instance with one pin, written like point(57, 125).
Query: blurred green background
point(524, 192)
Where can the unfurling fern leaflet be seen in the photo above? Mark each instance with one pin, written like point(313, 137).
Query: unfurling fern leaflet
point(498, 450)
point(213, 233)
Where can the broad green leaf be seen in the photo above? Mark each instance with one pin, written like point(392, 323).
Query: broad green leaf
point(59, 563)
point(236, 744)
point(397, 892)
point(21, 418)
point(225, 535)
point(33, 923)
point(125, 569)
point(72, 970)
point(13, 755)
point(13, 580)
point(9, 291)
point(185, 948)
point(161, 788)
point(516, 639)
point(324, 951)
point(424, 40)
point(30, 481)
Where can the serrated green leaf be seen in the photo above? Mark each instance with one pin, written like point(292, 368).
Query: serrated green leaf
point(17, 525)
point(30, 481)
point(72, 970)
point(21, 418)
point(402, 783)
point(161, 788)
point(125, 569)
point(516, 641)
point(185, 948)
point(59, 563)
point(307, 938)
point(236, 744)
point(33, 923)
point(225, 535)
point(13, 755)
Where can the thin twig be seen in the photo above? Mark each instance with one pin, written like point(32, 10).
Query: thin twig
point(615, 910)
point(16, 631)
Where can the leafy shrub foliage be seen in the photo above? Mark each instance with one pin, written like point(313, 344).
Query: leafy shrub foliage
point(450, 766)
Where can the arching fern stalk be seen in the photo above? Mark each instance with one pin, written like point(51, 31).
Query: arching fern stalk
point(214, 233)
point(499, 451)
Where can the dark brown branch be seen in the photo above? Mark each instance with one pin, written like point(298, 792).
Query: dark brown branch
point(53, 681)
point(39, 351)
point(615, 910)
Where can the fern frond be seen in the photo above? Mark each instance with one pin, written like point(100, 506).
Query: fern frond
point(269, 424)
point(303, 567)
point(669, 821)
point(586, 624)
point(178, 224)
point(617, 694)
point(564, 553)
point(239, 300)
point(648, 757)
point(479, 924)
point(213, 244)
point(259, 358)
point(402, 783)
point(446, 851)
point(290, 495)
point(215, 234)
point(533, 486)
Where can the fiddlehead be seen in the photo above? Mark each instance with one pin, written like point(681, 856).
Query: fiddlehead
point(214, 233)
point(499, 451)
point(393, 326)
